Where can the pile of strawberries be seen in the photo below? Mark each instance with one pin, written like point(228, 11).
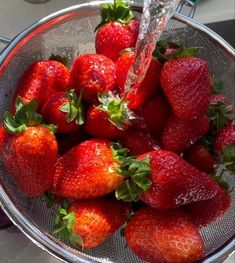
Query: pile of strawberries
point(152, 157)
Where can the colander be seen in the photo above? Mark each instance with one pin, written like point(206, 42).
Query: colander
point(69, 32)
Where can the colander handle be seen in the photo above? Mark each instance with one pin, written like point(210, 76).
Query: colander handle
point(190, 6)
point(4, 40)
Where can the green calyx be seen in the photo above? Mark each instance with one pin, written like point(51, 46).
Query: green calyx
point(135, 172)
point(26, 116)
point(228, 158)
point(73, 107)
point(218, 177)
point(64, 226)
point(61, 59)
point(49, 199)
point(220, 114)
point(118, 112)
point(217, 88)
point(180, 51)
point(118, 11)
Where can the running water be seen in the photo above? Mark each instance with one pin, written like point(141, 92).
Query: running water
point(156, 14)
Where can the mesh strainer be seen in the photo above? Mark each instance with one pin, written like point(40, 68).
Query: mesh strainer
point(69, 32)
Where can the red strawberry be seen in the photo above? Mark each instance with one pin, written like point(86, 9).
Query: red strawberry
point(199, 156)
point(138, 142)
point(220, 112)
point(186, 83)
point(151, 82)
point(175, 182)
point(205, 212)
point(87, 171)
point(29, 153)
point(178, 135)
point(93, 73)
point(41, 80)
point(117, 30)
point(226, 137)
point(88, 223)
point(64, 110)
point(164, 236)
point(110, 119)
point(225, 146)
point(155, 113)
point(30, 158)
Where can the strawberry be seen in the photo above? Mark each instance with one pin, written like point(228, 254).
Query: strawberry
point(205, 212)
point(28, 149)
point(93, 73)
point(220, 112)
point(187, 85)
point(87, 171)
point(225, 146)
point(88, 223)
point(178, 135)
point(117, 30)
point(110, 119)
point(174, 182)
point(164, 236)
point(199, 156)
point(138, 142)
point(41, 80)
point(65, 110)
point(155, 113)
point(137, 95)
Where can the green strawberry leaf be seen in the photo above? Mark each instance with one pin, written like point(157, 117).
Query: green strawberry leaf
point(74, 107)
point(61, 59)
point(63, 226)
point(160, 49)
point(118, 11)
point(26, 116)
point(118, 112)
point(218, 87)
point(119, 153)
point(220, 114)
point(228, 158)
point(137, 179)
point(185, 52)
point(48, 198)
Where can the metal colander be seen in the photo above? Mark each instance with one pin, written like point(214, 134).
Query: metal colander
point(69, 32)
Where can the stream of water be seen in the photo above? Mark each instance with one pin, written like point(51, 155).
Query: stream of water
point(155, 16)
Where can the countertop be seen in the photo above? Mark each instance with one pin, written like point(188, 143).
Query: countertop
point(15, 15)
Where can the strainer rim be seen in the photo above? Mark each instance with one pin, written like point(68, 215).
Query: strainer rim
point(33, 232)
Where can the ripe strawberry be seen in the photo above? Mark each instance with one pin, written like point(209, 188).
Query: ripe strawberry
point(137, 95)
point(155, 113)
point(41, 80)
point(30, 158)
point(186, 83)
point(164, 236)
point(93, 73)
point(220, 112)
point(110, 119)
point(205, 212)
point(28, 149)
point(199, 156)
point(178, 135)
point(225, 146)
point(117, 31)
point(88, 223)
point(138, 142)
point(65, 110)
point(86, 171)
point(175, 182)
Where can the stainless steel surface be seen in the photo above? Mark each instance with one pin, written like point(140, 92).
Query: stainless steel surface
point(68, 32)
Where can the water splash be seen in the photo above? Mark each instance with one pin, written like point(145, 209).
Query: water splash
point(156, 14)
